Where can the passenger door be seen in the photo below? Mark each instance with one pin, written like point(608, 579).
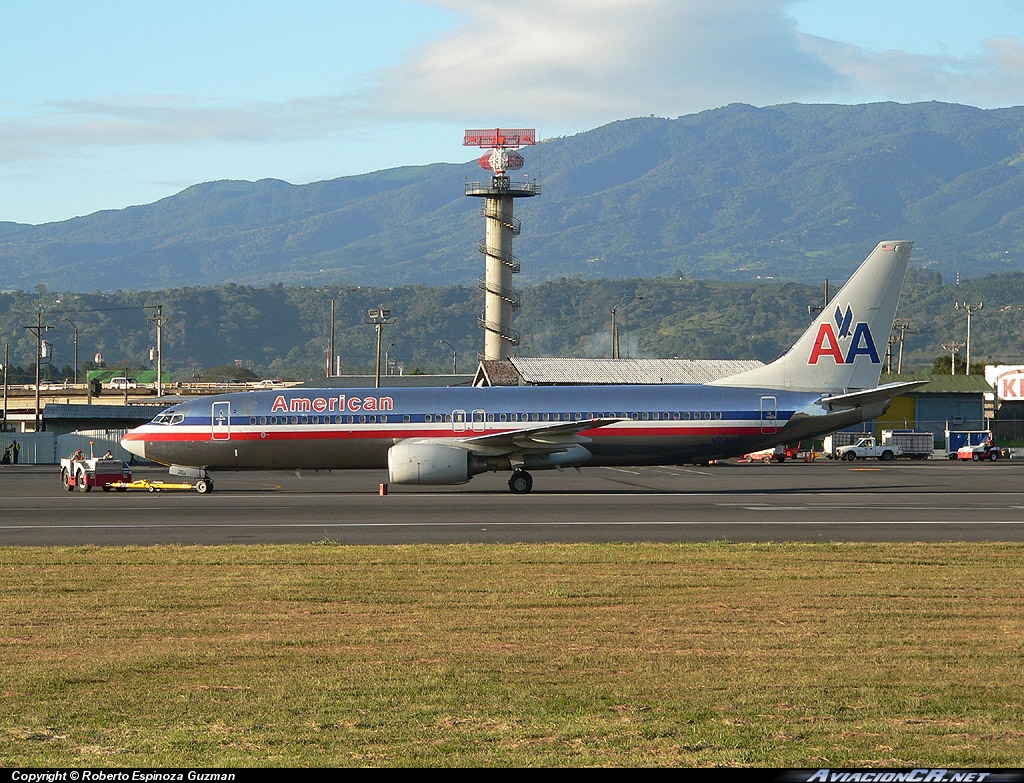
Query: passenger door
point(221, 421)
point(769, 415)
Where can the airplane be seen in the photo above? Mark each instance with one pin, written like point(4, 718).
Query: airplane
point(439, 436)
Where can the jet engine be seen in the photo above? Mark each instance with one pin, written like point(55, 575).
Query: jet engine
point(432, 463)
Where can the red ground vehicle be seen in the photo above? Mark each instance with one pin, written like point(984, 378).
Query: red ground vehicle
point(983, 452)
point(775, 454)
point(84, 473)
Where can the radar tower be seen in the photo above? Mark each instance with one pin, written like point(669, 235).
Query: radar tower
point(500, 228)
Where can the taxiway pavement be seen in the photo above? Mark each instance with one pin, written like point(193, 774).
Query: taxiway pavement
point(934, 500)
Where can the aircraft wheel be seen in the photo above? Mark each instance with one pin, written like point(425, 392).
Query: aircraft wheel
point(203, 486)
point(521, 482)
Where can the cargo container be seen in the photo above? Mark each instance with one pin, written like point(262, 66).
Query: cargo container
point(915, 445)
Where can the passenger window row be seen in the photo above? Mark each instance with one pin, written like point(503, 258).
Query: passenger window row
point(501, 417)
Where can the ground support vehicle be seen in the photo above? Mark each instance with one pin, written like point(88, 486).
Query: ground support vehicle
point(986, 452)
point(84, 473)
point(832, 443)
point(957, 439)
point(201, 486)
point(868, 448)
point(776, 454)
point(915, 445)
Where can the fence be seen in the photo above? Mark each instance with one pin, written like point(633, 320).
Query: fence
point(45, 448)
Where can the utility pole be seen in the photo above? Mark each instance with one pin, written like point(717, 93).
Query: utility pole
point(39, 330)
point(903, 324)
point(7, 365)
point(159, 319)
point(969, 309)
point(811, 309)
point(330, 350)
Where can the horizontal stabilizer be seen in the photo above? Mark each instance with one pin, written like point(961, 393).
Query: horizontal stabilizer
point(861, 398)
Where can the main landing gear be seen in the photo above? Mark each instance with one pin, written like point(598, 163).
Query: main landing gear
point(520, 483)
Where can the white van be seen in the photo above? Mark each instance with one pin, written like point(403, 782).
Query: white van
point(123, 383)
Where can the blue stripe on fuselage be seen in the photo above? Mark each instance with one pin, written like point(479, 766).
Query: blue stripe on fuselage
point(708, 403)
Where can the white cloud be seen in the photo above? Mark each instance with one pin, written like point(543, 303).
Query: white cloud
point(594, 61)
point(571, 64)
point(64, 127)
point(996, 78)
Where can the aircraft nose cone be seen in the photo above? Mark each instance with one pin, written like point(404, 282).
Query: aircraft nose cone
point(134, 444)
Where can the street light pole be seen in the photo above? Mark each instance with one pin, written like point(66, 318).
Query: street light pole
point(455, 357)
point(615, 332)
point(953, 348)
point(76, 348)
point(331, 359)
point(378, 317)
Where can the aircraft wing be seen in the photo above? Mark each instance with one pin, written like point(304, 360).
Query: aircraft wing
point(546, 438)
point(868, 396)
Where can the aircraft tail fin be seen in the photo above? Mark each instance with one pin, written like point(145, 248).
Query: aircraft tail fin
point(843, 349)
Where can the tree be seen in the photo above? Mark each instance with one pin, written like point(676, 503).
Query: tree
point(941, 366)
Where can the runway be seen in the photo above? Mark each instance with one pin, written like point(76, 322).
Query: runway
point(935, 500)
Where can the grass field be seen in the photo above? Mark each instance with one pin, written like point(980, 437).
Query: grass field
point(796, 655)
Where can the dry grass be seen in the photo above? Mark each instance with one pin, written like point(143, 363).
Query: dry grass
point(723, 654)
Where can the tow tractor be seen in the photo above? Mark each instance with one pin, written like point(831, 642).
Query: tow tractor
point(108, 473)
point(84, 473)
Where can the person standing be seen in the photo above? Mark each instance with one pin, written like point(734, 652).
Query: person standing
point(15, 448)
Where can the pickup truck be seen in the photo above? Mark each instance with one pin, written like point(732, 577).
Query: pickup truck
point(868, 448)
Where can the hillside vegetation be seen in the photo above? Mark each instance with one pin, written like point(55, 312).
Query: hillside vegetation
point(284, 331)
point(793, 192)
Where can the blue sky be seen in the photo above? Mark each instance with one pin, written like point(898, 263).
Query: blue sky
point(108, 104)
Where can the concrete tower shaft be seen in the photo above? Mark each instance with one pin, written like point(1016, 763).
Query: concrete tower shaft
point(501, 226)
point(499, 298)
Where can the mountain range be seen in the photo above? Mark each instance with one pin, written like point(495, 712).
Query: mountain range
point(791, 192)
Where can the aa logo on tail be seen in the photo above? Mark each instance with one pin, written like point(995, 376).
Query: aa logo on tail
point(830, 340)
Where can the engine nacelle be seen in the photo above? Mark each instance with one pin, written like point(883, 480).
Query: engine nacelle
point(430, 463)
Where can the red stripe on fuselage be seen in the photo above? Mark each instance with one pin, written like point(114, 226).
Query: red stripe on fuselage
point(615, 431)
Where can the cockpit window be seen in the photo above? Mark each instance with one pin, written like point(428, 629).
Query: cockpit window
point(169, 418)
